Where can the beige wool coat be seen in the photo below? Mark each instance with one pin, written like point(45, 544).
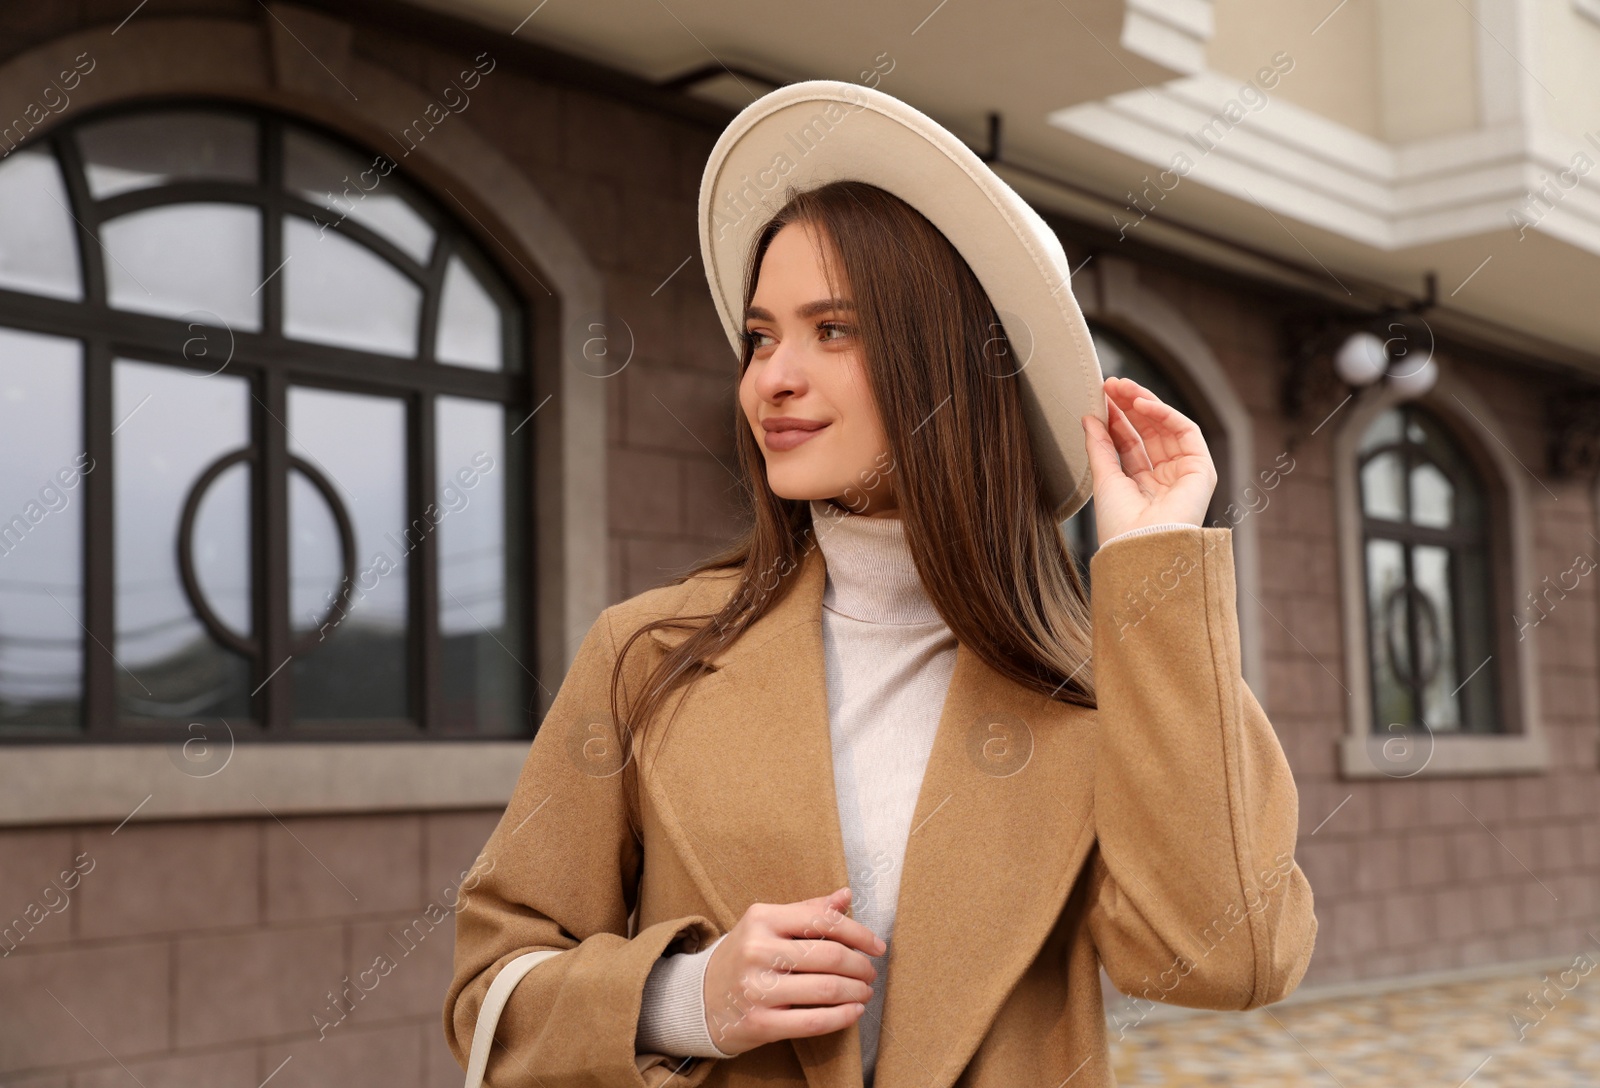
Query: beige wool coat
point(1154, 835)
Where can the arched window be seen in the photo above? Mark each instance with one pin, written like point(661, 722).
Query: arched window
point(1424, 527)
point(1120, 358)
point(260, 404)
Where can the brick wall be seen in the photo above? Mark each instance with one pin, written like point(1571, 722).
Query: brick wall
point(1419, 874)
point(212, 952)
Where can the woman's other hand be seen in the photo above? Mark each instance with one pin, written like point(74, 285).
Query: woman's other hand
point(781, 956)
point(1152, 466)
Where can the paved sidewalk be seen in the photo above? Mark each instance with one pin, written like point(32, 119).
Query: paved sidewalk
point(1440, 1036)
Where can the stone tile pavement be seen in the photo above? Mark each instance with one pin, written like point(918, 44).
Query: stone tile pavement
point(1514, 1029)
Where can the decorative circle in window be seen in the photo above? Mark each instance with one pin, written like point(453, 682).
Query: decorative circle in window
point(260, 406)
point(1428, 591)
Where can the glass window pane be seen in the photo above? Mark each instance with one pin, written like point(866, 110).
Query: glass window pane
point(478, 619)
point(171, 425)
point(469, 321)
point(127, 153)
point(1382, 431)
point(41, 534)
point(315, 558)
point(1431, 567)
point(1381, 487)
point(1386, 615)
point(365, 190)
point(38, 249)
point(1432, 497)
point(1442, 449)
point(339, 292)
point(222, 560)
point(187, 258)
point(357, 667)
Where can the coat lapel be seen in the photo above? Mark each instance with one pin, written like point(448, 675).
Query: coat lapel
point(742, 775)
point(1001, 828)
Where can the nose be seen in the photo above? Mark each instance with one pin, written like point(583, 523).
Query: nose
point(781, 373)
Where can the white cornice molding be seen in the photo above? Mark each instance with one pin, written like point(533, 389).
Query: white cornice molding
point(1298, 163)
point(1295, 162)
point(1172, 33)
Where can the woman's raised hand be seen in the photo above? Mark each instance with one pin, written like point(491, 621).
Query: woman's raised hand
point(781, 956)
point(1152, 466)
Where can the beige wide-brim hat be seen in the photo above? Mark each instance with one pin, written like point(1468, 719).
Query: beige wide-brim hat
point(808, 134)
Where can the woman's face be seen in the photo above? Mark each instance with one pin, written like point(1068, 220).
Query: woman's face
point(807, 371)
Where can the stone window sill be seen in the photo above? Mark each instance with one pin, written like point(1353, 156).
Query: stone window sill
point(1445, 756)
point(111, 783)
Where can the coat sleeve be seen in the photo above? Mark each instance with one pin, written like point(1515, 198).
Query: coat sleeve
point(561, 872)
point(1194, 895)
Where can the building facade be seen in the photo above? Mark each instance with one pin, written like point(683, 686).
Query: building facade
point(353, 358)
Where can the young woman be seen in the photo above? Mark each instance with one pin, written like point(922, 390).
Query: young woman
point(870, 798)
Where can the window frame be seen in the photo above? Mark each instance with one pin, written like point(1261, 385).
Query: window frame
point(1115, 296)
point(1185, 388)
point(1409, 534)
point(1518, 745)
point(273, 362)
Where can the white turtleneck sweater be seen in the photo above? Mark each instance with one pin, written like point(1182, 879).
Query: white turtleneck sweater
point(888, 659)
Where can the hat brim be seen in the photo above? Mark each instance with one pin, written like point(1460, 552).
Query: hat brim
point(810, 133)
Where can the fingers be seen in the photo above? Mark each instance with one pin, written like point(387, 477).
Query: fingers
point(1115, 447)
point(802, 987)
point(825, 918)
point(800, 1023)
point(1146, 407)
point(1125, 391)
point(821, 987)
point(788, 970)
point(1166, 432)
point(1102, 450)
point(1131, 451)
point(831, 957)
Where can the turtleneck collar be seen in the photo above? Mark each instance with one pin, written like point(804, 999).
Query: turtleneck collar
point(871, 575)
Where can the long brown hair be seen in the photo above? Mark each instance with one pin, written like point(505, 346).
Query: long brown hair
point(987, 546)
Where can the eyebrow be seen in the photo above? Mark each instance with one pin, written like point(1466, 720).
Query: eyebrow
point(809, 309)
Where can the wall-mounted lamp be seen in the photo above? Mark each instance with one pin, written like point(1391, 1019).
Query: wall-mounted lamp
point(1362, 359)
point(1326, 355)
point(1404, 359)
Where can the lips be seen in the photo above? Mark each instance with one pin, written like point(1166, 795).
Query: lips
point(787, 432)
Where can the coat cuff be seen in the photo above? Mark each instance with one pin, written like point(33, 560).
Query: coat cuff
point(567, 1018)
point(1159, 569)
point(1143, 529)
point(672, 1015)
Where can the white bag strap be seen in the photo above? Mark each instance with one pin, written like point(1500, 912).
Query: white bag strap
point(493, 1003)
